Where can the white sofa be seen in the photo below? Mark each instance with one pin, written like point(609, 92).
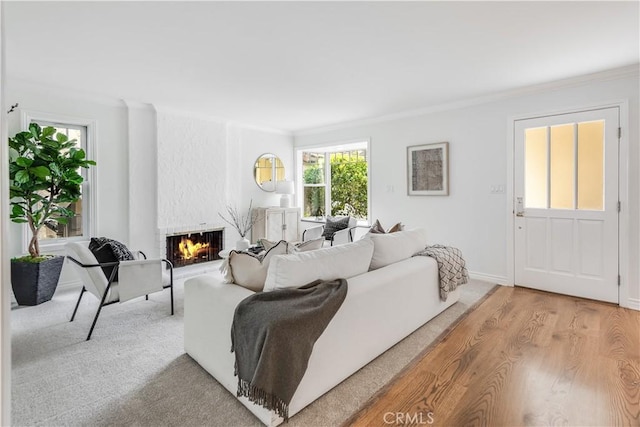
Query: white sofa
point(382, 307)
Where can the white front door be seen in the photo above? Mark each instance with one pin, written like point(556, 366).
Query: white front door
point(566, 203)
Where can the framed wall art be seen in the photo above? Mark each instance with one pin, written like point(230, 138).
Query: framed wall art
point(428, 169)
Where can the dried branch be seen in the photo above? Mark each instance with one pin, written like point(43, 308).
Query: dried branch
point(242, 224)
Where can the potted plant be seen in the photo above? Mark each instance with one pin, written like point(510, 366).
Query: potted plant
point(44, 179)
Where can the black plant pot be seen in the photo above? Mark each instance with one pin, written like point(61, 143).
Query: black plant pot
point(35, 283)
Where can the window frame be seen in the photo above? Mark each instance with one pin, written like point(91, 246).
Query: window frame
point(327, 149)
point(89, 186)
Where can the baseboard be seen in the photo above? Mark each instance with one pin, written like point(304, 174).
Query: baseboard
point(489, 278)
point(633, 303)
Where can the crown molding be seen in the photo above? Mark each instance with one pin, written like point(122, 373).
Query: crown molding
point(110, 101)
point(69, 93)
point(164, 109)
point(131, 104)
point(612, 74)
point(265, 129)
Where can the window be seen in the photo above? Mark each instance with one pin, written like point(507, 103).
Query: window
point(564, 166)
point(335, 181)
point(80, 225)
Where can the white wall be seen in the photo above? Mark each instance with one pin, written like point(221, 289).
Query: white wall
point(143, 176)
point(254, 143)
point(472, 218)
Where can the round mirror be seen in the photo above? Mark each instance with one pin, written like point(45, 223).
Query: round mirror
point(267, 170)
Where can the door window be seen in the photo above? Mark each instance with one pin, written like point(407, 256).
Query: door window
point(564, 166)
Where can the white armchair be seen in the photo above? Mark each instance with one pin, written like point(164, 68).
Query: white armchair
point(137, 278)
point(340, 237)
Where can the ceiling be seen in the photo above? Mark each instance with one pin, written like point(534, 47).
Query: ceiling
point(301, 65)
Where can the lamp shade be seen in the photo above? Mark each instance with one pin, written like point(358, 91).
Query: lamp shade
point(284, 187)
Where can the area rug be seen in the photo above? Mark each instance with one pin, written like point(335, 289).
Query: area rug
point(134, 370)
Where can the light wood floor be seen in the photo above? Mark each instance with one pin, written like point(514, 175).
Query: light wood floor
point(522, 358)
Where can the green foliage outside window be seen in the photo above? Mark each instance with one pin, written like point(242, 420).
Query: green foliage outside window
point(313, 175)
point(348, 187)
point(313, 196)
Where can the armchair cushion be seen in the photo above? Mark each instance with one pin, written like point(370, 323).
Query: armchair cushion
point(334, 224)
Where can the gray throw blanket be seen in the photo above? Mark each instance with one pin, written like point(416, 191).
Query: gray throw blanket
point(451, 267)
point(273, 334)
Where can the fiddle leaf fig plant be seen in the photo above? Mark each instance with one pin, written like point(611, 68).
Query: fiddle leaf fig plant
point(44, 178)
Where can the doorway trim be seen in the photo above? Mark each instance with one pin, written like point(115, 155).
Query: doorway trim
point(623, 191)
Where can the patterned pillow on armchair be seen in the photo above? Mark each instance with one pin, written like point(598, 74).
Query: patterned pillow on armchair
point(335, 224)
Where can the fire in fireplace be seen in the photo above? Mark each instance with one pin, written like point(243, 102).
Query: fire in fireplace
point(195, 247)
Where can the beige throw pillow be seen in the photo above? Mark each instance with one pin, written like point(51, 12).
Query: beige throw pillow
point(396, 228)
point(268, 244)
point(250, 271)
point(377, 228)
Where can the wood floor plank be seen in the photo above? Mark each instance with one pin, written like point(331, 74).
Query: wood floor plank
point(522, 357)
point(620, 349)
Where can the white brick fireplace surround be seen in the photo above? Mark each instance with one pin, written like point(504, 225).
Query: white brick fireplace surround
point(200, 165)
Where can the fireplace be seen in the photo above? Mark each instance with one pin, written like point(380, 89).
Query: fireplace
point(194, 247)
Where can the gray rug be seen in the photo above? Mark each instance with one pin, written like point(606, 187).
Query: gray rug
point(134, 370)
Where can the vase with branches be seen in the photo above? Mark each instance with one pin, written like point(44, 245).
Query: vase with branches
point(241, 223)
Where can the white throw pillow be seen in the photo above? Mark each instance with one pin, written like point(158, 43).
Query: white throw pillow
point(295, 270)
point(250, 271)
point(393, 247)
point(310, 245)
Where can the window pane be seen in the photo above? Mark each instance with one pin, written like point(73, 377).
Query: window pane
point(535, 192)
point(349, 183)
point(73, 228)
point(52, 228)
point(313, 168)
point(562, 167)
point(591, 165)
point(314, 201)
point(75, 134)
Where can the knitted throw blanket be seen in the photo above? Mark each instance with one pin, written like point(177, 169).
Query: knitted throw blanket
point(451, 267)
point(273, 334)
